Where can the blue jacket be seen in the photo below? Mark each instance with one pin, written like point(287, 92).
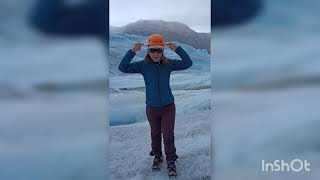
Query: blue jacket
point(156, 75)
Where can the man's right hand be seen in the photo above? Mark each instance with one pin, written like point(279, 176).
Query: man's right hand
point(136, 47)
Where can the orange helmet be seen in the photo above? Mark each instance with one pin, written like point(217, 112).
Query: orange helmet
point(155, 40)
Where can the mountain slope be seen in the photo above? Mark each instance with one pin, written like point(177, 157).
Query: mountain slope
point(171, 31)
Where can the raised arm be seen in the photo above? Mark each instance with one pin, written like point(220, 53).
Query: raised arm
point(126, 67)
point(183, 64)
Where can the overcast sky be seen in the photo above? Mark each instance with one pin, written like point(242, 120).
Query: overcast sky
point(194, 13)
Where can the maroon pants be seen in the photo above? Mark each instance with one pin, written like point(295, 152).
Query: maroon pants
point(161, 120)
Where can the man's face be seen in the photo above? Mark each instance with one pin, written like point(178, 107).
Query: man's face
point(155, 54)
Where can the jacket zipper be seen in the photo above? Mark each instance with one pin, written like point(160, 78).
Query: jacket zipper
point(159, 83)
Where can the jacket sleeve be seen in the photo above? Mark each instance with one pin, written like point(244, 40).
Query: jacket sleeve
point(183, 64)
point(126, 67)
